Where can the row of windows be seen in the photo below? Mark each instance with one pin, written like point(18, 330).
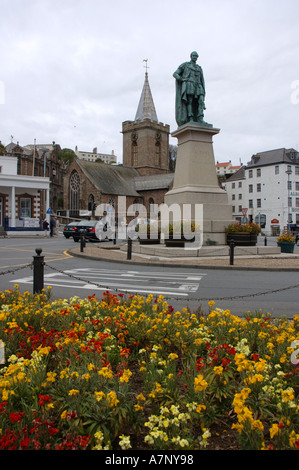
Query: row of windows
point(259, 188)
point(276, 170)
point(259, 204)
point(259, 173)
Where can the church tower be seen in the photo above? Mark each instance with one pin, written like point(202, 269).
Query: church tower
point(145, 140)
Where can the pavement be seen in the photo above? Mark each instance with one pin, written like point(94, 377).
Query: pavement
point(109, 252)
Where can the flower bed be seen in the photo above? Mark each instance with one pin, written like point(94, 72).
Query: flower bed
point(286, 242)
point(119, 373)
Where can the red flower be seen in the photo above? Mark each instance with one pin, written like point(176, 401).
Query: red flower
point(16, 417)
point(199, 364)
point(125, 352)
point(2, 406)
point(43, 399)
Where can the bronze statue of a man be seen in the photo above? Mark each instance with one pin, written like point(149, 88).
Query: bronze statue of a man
point(190, 92)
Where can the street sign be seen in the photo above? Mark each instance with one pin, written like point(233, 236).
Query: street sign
point(244, 212)
point(49, 211)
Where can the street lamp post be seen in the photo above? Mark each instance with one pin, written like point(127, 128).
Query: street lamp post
point(289, 172)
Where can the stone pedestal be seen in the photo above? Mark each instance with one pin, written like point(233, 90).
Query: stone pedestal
point(195, 180)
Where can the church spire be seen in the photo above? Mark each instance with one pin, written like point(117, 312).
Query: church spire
point(146, 108)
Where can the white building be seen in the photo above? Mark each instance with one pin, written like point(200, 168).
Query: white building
point(266, 191)
point(226, 168)
point(94, 155)
point(20, 198)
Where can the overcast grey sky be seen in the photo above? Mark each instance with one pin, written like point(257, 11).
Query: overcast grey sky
point(72, 70)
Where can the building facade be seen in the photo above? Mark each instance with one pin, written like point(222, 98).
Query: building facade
point(266, 191)
point(226, 168)
point(95, 155)
point(21, 198)
point(41, 161)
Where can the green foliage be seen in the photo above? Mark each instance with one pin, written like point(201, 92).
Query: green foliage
point(67, 155)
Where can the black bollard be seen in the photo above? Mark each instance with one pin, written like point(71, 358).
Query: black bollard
point(82, 243)
point(38, 271)
point(129, 253)
point(265, 241)
point(231, 252)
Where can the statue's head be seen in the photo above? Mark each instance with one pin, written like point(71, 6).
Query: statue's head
point(194, 55)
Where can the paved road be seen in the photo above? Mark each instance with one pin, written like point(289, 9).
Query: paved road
point(182, 287)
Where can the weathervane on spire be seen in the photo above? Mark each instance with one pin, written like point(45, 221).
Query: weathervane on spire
point(146, 66)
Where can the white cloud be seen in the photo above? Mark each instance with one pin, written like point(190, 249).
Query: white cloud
point(73, 71)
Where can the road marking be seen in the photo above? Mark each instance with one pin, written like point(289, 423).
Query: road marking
point(129, 281)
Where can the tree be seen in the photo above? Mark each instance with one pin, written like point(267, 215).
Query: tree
point(172, 157)
point(2, 148)
point(67, 155)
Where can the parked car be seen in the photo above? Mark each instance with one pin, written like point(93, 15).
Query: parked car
point(86, 228)
point(70, 229)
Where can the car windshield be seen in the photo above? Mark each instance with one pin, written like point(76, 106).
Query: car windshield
point(87, 223)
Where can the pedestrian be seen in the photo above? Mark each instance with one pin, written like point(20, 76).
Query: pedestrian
point(45, 227)
point(297, 238)
point(52, 226)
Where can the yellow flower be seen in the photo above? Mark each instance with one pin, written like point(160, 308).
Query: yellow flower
point(99, 395)
point(274, 430)
point(253, 379)
point(199, 383)
point(106, 372)
point(126, 376)
point(112, 399)
point(287, 395)
point(73, 392)
point(173, 356)
point(257, 424)
point(218, 370)
point(293, 437)
point(138, 407)
point(199, 408)
point(51, 376)
point(140, 397)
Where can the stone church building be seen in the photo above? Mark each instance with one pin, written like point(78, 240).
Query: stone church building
point(144, 177)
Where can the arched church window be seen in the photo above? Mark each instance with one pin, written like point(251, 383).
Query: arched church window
point(135, 153)
point(158, 154)
point(74, 191)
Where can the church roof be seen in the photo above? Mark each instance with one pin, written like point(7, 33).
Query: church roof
point(146, 108)
point(150, 182)
point(110, 179)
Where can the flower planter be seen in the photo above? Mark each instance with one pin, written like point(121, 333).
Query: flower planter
point(177, 242)
point(286, 247)
point(149, 240)
point(241, 238)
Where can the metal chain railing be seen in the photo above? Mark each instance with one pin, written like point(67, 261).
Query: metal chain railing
point(39, 263)
point(14, 270)
point(123, 291)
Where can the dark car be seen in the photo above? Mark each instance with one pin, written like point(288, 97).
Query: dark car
point(86, 228)
point(70, 229)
